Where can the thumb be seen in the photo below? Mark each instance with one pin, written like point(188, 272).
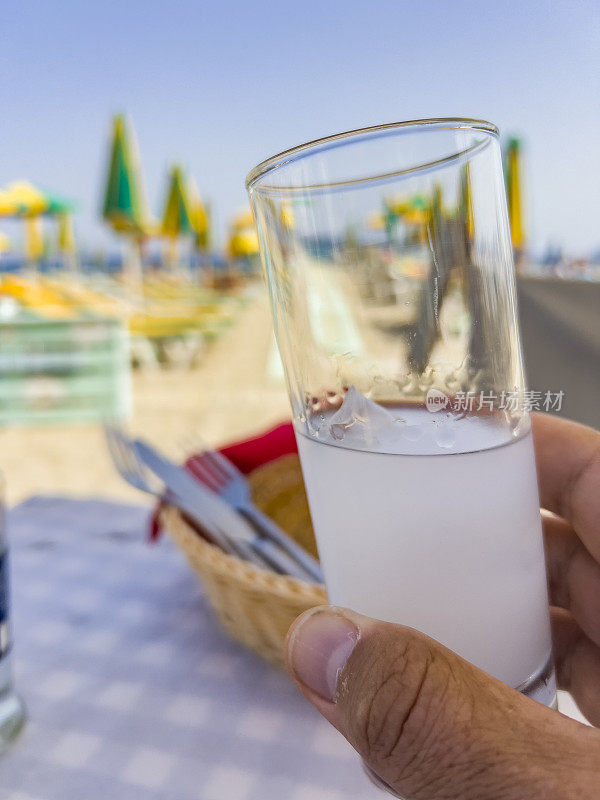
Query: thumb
point(431, 725)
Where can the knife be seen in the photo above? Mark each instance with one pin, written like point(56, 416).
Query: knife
point(202, 503)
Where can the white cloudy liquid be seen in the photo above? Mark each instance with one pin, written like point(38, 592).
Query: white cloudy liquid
point(449, 543)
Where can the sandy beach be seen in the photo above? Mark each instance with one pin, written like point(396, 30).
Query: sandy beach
point(226, 397)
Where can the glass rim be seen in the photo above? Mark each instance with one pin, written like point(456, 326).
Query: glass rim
point(291, 154)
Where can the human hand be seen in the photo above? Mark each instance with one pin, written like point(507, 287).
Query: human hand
point(433, 726)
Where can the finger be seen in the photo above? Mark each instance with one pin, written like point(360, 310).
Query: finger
point(430, 724)
point(577, 662)
point(568, 464)
point(573, 575)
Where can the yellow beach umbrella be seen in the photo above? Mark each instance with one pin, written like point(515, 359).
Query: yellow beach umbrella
point(66, 236)
point(243, 239)
point(514, 193)
point(6, 206)
point(23, 199)
point(243, 219)
point(466, 201)
point(66, 241)
point(34, 241)
point(286, 215)
point(201, 218)
point(413, 211)
point(376, 221)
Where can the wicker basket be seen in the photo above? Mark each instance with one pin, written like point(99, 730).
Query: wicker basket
point(256, 606)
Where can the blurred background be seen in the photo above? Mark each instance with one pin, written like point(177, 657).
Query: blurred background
point(130, 285)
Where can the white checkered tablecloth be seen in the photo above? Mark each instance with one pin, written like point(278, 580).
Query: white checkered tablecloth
point(133, 691)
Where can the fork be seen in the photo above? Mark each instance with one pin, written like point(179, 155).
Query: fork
point(245, 543)
point(225, 479)
point(131, 469)
point(239, 530)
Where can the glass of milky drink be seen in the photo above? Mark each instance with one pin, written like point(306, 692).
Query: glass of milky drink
point(388, 256)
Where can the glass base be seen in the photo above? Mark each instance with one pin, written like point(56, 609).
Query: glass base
point(12, 718)
point(541, 686)
point(379, 782)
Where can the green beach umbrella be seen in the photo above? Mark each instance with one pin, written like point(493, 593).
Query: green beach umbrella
point(514, 193)
point(124, 206)
point(201, 218)
point(465, 206)
point(203, 226)
point(178, 217)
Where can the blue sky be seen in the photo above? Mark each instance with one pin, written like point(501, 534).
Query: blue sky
point(219, 86)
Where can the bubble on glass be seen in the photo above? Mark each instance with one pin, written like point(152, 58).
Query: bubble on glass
point(337, 432)
point(413, 433)
point(445, 436)
point(515, 423)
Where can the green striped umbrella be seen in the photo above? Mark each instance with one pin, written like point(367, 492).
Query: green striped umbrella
point(514, 194)
point(178, 217)
point(124, 206)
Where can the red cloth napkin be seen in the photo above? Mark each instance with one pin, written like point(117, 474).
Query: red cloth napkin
point(247, 455)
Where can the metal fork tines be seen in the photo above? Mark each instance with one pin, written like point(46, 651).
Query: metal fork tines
point(127, 463)
point(224, 478)
point(126, 459)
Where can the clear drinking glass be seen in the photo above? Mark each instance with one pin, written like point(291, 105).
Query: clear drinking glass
point(388, 257)
point(12, 710)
